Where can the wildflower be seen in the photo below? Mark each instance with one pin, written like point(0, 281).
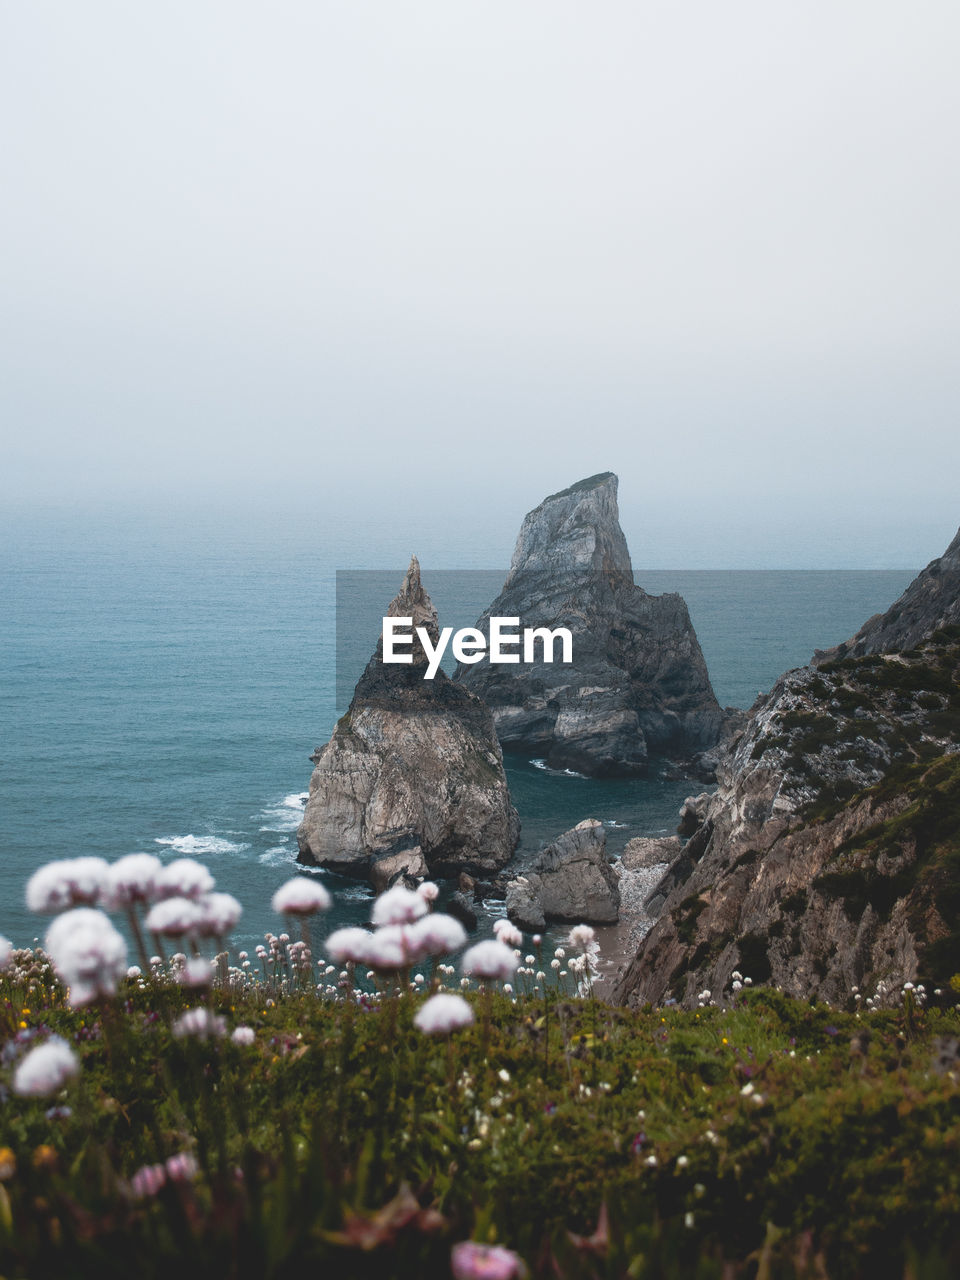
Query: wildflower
point(134, 971)
point(470, 1261)
point(201, 1024)
point(554, 963)
point(243, 1036)
point(537, 939)
point(442, 1014)
point(504, 1075)
point(582, 936)
point(174, 917)
point(6, 951)
point(682, 1162)
point(489, 959)
point(195, 975)
point(219, 912)
point(560, 953)
point(688, 1218)
point(88, 953)
point(8, 1164)
point(301, 897)
point(46, 1069)
point(651, 1162)
point(389, 949)
point(148, 1180)
point(747, 1089)
point(71, 882)
point(508, 933)
point(181, 1167)
point(428, 891)
point(398, 906)
point(437, 934)
point(131, 879)
point(184, 878)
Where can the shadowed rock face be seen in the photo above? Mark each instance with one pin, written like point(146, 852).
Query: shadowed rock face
point(413, 773)
point(826, 859)
point(571, 880)
point(638, 681)
point(931, 601)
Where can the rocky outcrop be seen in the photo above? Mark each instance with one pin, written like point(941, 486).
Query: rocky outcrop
point(412, 778)
point(828, 857)
point(572, 879)
point(930, 603)
point(650, 851)
point(637, 683)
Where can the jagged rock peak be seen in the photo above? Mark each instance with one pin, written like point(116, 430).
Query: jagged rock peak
point(574, 531)
point(931, 601)
point(412, 601)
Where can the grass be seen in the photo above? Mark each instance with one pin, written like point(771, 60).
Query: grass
point(762, 1138)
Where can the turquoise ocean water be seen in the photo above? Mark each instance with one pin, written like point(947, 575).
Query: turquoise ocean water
point(165, 694)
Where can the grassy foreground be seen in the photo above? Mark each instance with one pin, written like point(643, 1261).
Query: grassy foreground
point(766, 1138)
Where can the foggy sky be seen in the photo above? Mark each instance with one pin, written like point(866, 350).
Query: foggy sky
point(423, 263)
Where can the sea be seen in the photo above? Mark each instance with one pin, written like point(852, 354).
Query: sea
point(163, 694)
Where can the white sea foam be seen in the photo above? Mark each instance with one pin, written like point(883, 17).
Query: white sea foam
point(285, 814)
point(612, 822)
point(557, 773)
point(199, 845)
point(278, 856)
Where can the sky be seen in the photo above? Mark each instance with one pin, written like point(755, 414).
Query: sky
point(410, 265)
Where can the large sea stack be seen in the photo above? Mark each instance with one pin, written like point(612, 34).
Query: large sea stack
point(828, 860)
point(412, 779)
point(637, 683)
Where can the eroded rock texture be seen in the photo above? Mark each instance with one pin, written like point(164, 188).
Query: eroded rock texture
point(412, 777)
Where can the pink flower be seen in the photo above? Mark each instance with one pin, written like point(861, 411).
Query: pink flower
point(131, 879)
point(148, 1180)
point(470, 1261)
point(428, 891)
point(398, 906)
point(46, 1069)
point(508, 933)
point(442, 1014)
point(88, 953)
point(301, 897)
point(73, 882)
point(351, 943)
point(184, 878)
point(489, 959)
point(181, 1167)
point(437, 934)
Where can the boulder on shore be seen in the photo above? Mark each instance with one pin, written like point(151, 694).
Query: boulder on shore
point(572, 879)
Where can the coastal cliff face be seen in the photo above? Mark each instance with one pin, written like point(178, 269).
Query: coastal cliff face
point(931, 602)
point(638, 682)
point(829, 856)
point(412, 778)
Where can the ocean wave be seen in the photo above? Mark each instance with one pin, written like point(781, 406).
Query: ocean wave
point(285, 814)
point(556, 773)
point(278, 856)
point(191, 846)
point(612, 822)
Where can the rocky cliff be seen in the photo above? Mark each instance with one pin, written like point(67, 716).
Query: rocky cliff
point(931, 602)
point(412, 778)
point(638, 682)
point(829, 856)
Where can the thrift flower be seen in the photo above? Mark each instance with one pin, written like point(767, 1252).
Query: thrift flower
point(71, 882)
point(301, 897)
point(131, 879)
point(398, 906)
point(88, 953)
point(219, 912)
point(489, 959)
point(428, 891)
point(184, 878)
point(442, 1014)
point(470, 1261)
point(148, 1180)
point(508, 933)
point(437, 934)
point(175, 917)
point(46, 1069)
point(243, 1036)
point(201, 1024)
